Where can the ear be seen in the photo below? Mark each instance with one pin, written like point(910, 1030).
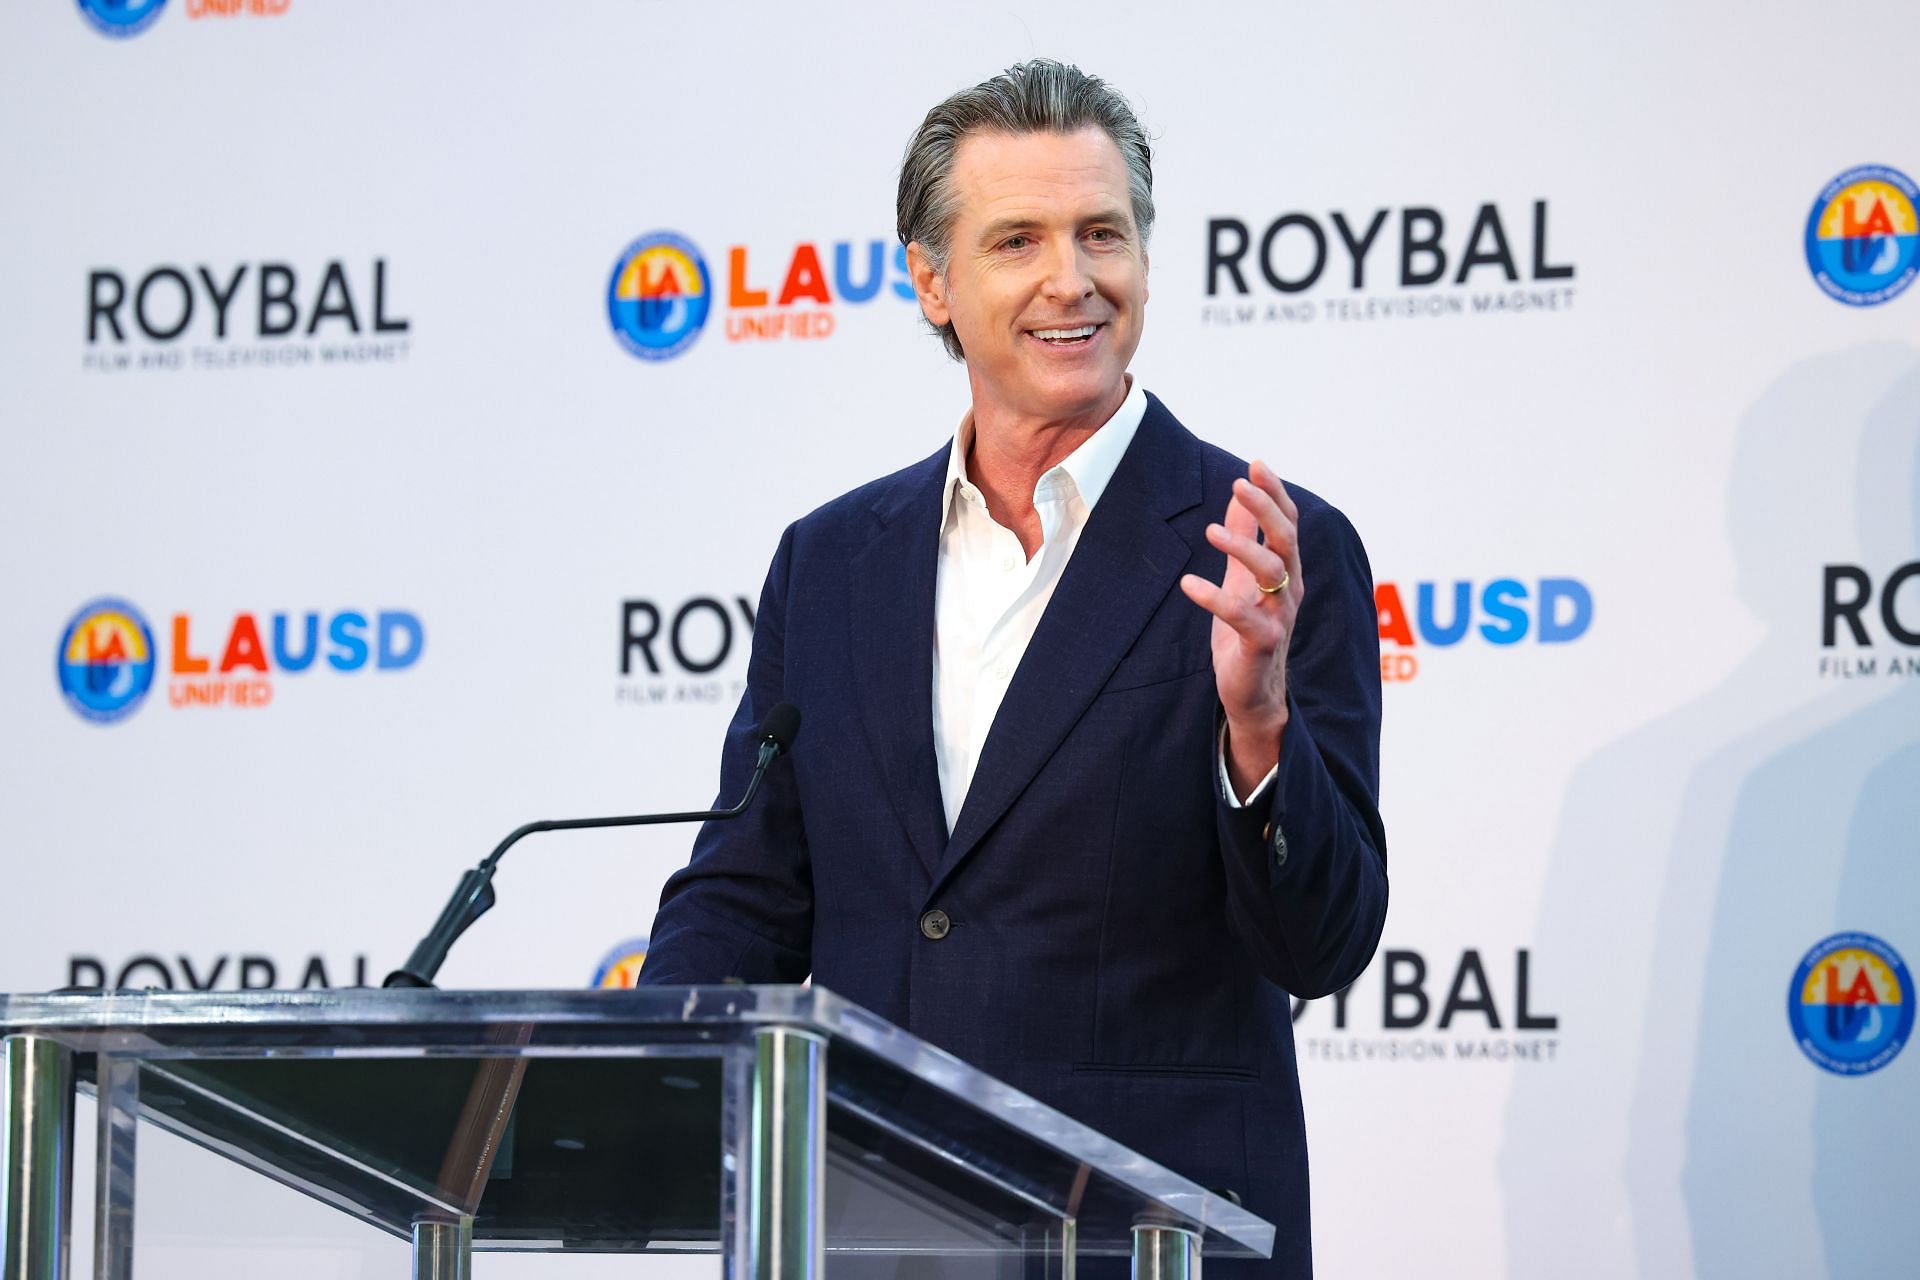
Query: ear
point(928, 285)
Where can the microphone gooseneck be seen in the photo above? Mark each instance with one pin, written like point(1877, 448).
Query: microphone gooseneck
point(475, 894)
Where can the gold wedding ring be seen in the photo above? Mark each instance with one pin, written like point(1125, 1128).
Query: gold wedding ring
point(1286, 576)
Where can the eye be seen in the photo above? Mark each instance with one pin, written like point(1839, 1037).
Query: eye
point(1014, 242)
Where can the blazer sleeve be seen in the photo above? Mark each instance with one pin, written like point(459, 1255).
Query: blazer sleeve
point(1306, 862)
point(743, 905)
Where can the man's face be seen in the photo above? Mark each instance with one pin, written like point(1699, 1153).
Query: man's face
point(1046, 280)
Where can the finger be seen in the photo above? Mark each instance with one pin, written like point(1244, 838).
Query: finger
point(1263, 562)
point(1280, 531)
point(1242, 518)
point(1258, 628)
point(1239, 521)
point(1265, 505)
point(1265, 476)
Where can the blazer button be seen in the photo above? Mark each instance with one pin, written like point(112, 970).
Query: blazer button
point(1279, 847)
point(935, 925)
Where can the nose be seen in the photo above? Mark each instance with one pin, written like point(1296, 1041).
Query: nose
point(1068, 279)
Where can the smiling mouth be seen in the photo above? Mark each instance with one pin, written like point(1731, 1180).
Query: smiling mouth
point(1077, 336)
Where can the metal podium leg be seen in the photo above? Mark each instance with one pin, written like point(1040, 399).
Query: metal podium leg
point(786, 1219)
point(443, 1249)
point(116, 1138)
point(1165, 1253)
point(36, 1157)
point(1048, 1248)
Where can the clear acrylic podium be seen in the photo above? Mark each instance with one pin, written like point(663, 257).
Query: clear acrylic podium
point(788, 1131)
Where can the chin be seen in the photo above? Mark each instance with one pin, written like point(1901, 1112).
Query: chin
point(1081, 393)
point(1055, 393)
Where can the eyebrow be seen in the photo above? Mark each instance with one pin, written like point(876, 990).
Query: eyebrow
point(1005, 227)
point(1112, 215)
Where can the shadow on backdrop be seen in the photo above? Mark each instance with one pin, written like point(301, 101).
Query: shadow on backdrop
point(1682, 1132)
point(1824, 837)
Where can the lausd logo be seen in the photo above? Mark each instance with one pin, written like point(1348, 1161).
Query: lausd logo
point(121, 17)
point(105, 662)
point(1850, 1004)
point(621, 967)
point(1862, 236)
point(107, 656)
point(391, 640)
point(131, 17)
point(660, 295)
point(1555, 611)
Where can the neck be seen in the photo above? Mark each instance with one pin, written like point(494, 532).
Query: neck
point(1011, 451)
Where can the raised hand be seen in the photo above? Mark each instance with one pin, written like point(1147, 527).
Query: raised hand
point(1253, 608)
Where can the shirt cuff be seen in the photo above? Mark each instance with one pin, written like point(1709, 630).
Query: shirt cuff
point(1226, 783)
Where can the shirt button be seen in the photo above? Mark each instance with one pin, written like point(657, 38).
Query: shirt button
point(935, 925)
point(1006, 564)
point(1000, 673)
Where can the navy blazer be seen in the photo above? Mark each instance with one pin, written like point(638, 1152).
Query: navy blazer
point(1122, 942)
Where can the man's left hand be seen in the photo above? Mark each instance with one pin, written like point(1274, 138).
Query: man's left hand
point(1252, 622)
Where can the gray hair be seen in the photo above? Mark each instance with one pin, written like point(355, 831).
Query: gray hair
point(1038, 96)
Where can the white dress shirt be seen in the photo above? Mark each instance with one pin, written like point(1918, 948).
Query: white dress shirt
point(988, 597)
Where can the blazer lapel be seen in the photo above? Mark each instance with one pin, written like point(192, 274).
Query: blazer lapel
point(1127, 560)
point(892, 647)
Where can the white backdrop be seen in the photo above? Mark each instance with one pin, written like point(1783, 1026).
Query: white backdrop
point(1657, 814)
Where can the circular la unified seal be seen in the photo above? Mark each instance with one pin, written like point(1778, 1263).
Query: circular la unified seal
point(1850, 1004)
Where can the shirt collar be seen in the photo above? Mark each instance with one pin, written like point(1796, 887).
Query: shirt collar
point(1090, 466)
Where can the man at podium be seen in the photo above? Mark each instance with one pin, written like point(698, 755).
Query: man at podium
point(1089, 779)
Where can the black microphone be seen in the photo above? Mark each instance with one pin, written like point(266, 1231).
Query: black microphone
point(475, 894)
